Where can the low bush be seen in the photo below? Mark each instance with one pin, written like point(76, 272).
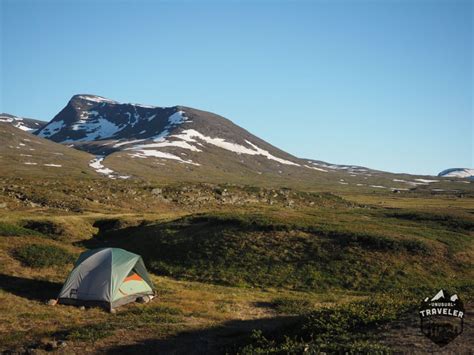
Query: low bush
point(450, 221)
point(341, 329)
point(38, 255)
point(267, 251)
point(48, 228)
point(379, 242)
point(9, 230)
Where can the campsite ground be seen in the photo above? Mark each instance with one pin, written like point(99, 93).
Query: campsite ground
point(330, 272)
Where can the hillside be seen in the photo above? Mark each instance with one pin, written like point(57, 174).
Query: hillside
point(252, 250)
point(28, 156)
point(25, 124)
point(171, 144)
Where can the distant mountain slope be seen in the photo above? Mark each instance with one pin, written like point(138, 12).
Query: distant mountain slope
point(103, 126)
point(180, 143)
point(352, 169)
point(23, 154)
point(463, 173)
point(25, 124)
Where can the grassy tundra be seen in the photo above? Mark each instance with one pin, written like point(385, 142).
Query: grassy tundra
point(237, 269)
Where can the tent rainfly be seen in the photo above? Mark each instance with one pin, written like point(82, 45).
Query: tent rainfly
point(107, 277)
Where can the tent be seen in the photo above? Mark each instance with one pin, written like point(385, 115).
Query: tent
point(107, 277)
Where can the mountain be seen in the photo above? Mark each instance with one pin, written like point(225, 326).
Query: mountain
point(463, 173)
point(25, 124)
point(352, 169)
point(23, 154)
point(181, 143)
point(138, 139)
point(103, 126)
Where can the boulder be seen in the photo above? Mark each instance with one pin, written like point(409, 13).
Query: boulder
point(52, 302)
point(144, 299)
point(157, 191)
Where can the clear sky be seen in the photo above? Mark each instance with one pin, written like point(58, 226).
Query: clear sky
point(385, 84)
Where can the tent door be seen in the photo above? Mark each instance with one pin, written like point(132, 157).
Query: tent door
point(133, 284)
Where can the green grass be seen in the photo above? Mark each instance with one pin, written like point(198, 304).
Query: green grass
point(90, 333)
point(9, 230)
point(288, 250)
point(38, 256)
point(137, 316)
point(152, 315)
point(341, 329)
point(450, 221)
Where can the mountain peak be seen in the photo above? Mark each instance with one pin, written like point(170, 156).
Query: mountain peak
point(89, 118)
point(93, 98)
point(462, 173)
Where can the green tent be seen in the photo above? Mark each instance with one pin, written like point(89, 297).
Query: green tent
point(108, 277)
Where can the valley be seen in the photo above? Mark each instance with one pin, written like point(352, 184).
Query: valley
point(251, 249)
point(227, 264)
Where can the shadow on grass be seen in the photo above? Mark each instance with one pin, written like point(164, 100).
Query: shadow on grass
point(222, 339)
point(36, 290)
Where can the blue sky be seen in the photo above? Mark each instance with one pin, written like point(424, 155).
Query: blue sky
point(385, 84)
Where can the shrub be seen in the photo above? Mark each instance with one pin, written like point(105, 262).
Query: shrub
point(378, 242)
point(450, 221)
point(37, 256)
point(49, 228)
point(8, 230)
point(341, 329)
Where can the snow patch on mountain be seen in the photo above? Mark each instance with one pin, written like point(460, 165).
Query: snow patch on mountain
point(97, 165)
point(51, 128)
point(174, 120)
point(352, 169)
point(426, 181)
point(97, 99)
point(190, 136)
point(315, 168)
point(144, 153)
point(94, 127)
point(259, 151)
point(19, 122)
point(179, 144)
point(177, 118)
point(144, 106)
point(189, 139)
point(462, 173)
point(117, 145)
